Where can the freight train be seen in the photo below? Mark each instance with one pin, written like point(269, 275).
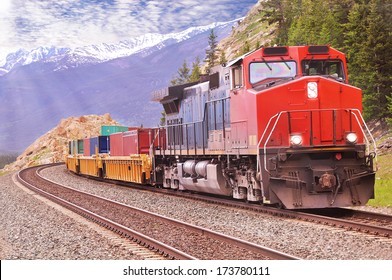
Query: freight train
point(279, 125)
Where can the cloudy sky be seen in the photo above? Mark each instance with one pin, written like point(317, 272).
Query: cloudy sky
point(69, 23)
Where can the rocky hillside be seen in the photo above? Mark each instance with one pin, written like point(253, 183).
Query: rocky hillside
point(52, 146)
point(383, 136)
point(251, 31)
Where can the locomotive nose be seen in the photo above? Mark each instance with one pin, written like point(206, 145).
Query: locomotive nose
point(327, 181)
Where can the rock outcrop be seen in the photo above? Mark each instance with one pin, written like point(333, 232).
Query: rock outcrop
point(52, 146)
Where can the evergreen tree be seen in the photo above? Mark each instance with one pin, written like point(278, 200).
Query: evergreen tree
point(196, 71)
point(360, 28)
point(245, 48)
point(368, 45)
point(162, 121)
point(354, 42)
point(182, 75)
point(379, 46)
point(257, 45)
point(222, 58)
point(389, 119)
point(307, 27)
point(211, 53)
point(330, 31)
point(295, 34)
point(279, 12)
point(339, 11)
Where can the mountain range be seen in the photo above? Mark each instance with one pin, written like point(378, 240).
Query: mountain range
point(41, 86)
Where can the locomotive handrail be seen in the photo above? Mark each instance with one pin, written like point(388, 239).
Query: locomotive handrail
point(258, 169)
point(261, 138)
point(368, 131)
point(278, 116)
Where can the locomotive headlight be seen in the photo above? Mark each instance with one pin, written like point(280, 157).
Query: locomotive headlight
point(296, 140)
point(351, 137)
point(312, 90)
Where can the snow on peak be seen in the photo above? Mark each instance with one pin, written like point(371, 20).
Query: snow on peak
point(24, 57)
point(102, 52)
point(105, 51)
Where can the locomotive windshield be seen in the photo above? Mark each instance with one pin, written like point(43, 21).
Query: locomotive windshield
point(260, 71)
point(331, 68)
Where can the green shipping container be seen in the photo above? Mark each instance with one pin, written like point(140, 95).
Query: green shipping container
point(106, 130)
point(80, 146)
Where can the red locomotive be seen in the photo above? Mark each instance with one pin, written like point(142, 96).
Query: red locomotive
point(278, 126)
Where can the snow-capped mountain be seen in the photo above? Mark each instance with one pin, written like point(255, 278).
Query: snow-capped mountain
point(24, 57)
point(99, 53)
point(45, 85)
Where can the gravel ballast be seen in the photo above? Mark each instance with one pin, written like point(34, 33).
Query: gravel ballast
point(26, 220)
point(35, 228)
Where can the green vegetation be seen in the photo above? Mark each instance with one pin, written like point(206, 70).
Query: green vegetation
point(383, 187)
point(361, 29)
point(186, 75)
point(196, 71)
point(182, 75)
point(251, 33)
point(212, 51)
point(6, 159)
point(42, 154)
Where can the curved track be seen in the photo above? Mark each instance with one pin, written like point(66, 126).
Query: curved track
point(167, 236)
point(30, 178)
point(348, 219)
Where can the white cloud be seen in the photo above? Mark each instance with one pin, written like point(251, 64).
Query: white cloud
point(5, 5)
point(69, 23)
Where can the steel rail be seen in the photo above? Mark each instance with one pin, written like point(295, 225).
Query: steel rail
point(265, 251)
point(342, 223)
point(335, 222)
point(124, 231)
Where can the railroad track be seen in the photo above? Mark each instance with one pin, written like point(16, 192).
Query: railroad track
point(368, 222)
point(348, 219)
point(166, 236)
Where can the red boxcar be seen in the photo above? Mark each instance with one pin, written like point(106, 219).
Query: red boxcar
point(116, 144)
point(136, 142)
point(139, 141)
point(86, 144)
